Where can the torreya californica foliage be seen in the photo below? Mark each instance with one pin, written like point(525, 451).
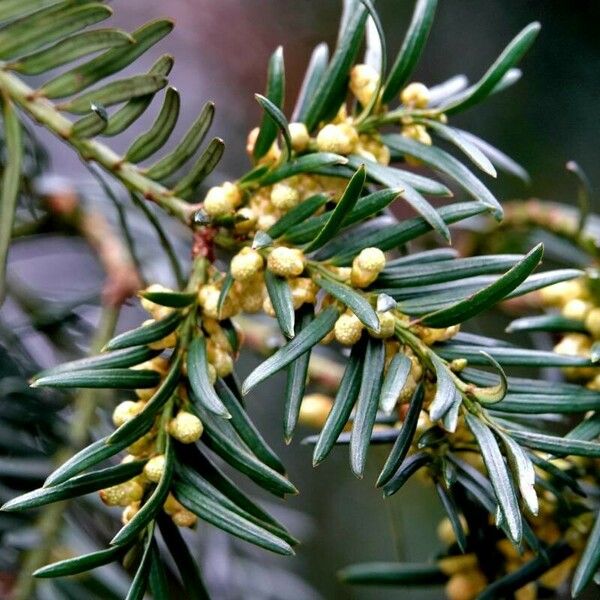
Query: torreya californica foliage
point(308, 239)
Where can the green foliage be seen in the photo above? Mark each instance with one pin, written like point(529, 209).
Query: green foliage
point(331, 90)
point(302, 342)
point(273, 102)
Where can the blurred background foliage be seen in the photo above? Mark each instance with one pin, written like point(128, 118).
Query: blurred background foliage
point(222, 48)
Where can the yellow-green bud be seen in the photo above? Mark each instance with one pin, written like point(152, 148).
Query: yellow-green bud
point(246, 264)
point(216, 202)
point(367, 266)
point(251, 300)
point(286, 262)
point(303, 290)
point(371, 259)
point(221, 360)
point(458, 365)
point(340, 139)
point(222, 200)
point(560, 293)
point(445, 530)
point(314, 410)
point(129, 512)
point(415, 95)
point(272, 154)
point(186, 427)
point(266, 221)
point(159, 364)
point(122, 494)
point(594, 384)
point(383, 155)
point(431, 335)
point(573, 344)
point(576, 309)
point(212, 374)
point(267, 307)
point(154, 468)
point(300, 136)
point(142, 446)
point(387, 324)
point(125, 411)
point(247, 220)
point(592, 322)
point(172, 505)
point(363, 83)
point(251, 140)
point(418, 133)
point(457, 564)
point(184, 518)
point(233, 192)
point(284, 197)
point(344, 273)
point(144, 394)
point(348, 329)
point(466, 585)
point(208, 298)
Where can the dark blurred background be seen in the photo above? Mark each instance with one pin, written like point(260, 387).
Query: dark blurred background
point(550, 116)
